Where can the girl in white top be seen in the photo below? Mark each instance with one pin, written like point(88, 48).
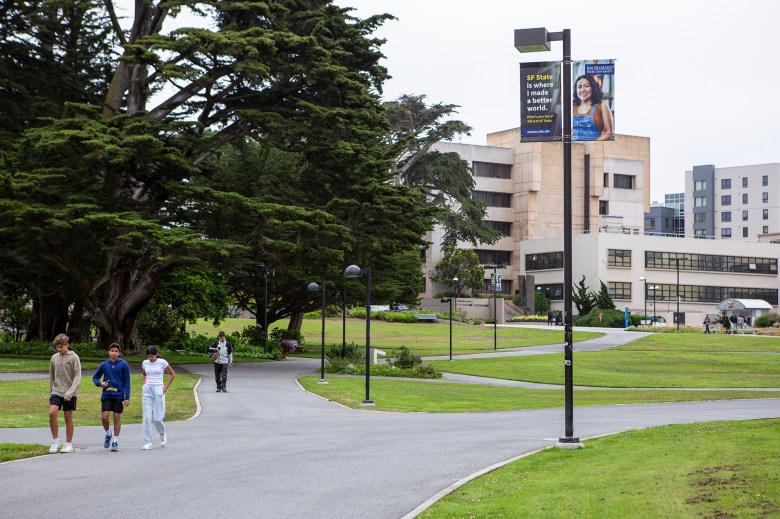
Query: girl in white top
point(153, 395)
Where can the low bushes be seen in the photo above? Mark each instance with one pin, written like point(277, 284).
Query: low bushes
point(766, 320)
point(350, 360)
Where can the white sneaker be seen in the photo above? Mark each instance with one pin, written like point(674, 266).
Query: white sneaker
point(54, 446)
point(67, 448)
point(115, 445)
point(147, 446)
point(163, 440)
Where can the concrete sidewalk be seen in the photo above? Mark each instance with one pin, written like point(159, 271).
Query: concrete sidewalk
point(268, 449)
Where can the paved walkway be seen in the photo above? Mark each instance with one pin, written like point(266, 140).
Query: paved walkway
point(268, 449)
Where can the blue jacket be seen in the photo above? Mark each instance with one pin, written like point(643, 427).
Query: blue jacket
point(118, 375)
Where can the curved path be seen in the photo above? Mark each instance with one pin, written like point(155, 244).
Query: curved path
point(269, 449)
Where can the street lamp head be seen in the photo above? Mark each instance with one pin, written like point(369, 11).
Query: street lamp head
point(353, 271)
point(532, 40)
point(642, 278)
point(454, 280)
point(313, 287)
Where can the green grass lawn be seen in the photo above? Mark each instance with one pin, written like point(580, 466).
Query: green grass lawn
point(25, 403)
point(445, 397)
point(631, 369)
point(424, 339)
point(703, 343)
point(713, 470)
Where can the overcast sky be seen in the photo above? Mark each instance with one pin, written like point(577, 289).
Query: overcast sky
point(699, 78)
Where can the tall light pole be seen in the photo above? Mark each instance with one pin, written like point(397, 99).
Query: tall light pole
point(266, 273)
point(353, 271)
point(644, 294)
point(495, 307)
point(314, 287)
point(677, 259)
point(455, 284)
point(449, 300)
point(653, 288)
point(535, 40)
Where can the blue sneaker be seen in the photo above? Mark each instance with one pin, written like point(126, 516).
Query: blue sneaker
point(115, 445)
point(107, 439)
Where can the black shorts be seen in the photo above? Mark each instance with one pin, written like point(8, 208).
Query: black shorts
point(60, 402)
point(111, 405)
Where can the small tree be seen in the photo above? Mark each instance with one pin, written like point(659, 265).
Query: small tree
point(603, 299)
point(541, 302)
point(583, 299)
point(462, 264)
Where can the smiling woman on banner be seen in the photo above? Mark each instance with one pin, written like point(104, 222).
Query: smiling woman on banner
point(591, 117)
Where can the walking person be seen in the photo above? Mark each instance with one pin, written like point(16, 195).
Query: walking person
point(549, 317)
point(221, 353)
point(707, 324)
point(116, 393)
point(153, 395)
point(740, 322)
point(64, 379)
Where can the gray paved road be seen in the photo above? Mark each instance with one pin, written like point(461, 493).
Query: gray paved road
point(268, 449)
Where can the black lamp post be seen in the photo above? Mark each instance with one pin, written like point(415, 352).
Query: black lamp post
point(535, 40)
point(353, 271)
point(645, 294)
point(677, 260)
point(314, 287)
point(449, 300)
point(495, 303)
point(455, 284)
point(266, 273)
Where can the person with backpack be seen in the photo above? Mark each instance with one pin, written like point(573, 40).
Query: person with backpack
point(221, 353)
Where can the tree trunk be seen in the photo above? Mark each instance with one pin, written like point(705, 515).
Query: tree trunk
point(296, 320)
point(50, 317)
point(79, 329)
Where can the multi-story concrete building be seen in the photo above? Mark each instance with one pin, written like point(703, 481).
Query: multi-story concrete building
point(739, 203)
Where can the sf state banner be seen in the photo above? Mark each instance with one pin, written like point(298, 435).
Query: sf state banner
point(593, 100)
point(540, 102)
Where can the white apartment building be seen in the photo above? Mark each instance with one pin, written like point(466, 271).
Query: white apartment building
point(737, 203)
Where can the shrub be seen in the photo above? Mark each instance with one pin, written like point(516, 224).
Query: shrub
point(766, 320)
point(529, 319)
point(278, 334)
point(399, 317)
point(404, 358)
point(611, 318)
point(288, 346)
point(351, 352)
point(252, 335)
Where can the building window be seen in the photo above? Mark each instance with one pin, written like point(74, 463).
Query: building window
point(744, 198)
point(505, 228)
point(700, 232)
point(700, 217)
point(711, 262)
point(725, 216)
point(744, 182)
point(491, 170)
point(619, 290)
point(765, 214)
point(725, 232)
point(603, 207)
point(494, 257)
point(765, 180)
point(744, 215)
point(493, 199)
point(700, 201)
point(765, 229)
point(651, 223)
point(553, 291)
point(709, 294)
point(544, 261)
point(619, 257)
point(765, 197)
point(744, 232)
point(725, 199)
point(725, 183)
point(623, 181)
point(700, 185)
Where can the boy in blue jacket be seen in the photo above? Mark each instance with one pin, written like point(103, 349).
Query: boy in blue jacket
point(116, 393)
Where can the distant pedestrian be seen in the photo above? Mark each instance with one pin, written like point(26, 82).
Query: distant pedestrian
point(727, 324)
point(116, 393)
point(221, 353)
point(707, 324)
point(153, 395)
point(740, 322)
point(549, 318)
point(64, 379)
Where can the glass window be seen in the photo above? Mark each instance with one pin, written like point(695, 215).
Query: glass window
point(491, 170)
point(765, 214)
point(603, 207)
point(725, 183)
point(744, 182)
point(709, 293)
point(493, 199)
point(651, 223)
point(744, 232)
point(504, 228)
point(765, 197)
point(623, 181)
point(765, 229)
point(725, 199)
point(725, 216)
point(619, 290)
point(765, 180)
point(699, 201)
point(544, 261)
point(619, 257)
point(700, 232)
point(744, 215)
point(700, 217)
point(553, 291)
point(725, 232)
point(744, 198)
point(700, 185)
